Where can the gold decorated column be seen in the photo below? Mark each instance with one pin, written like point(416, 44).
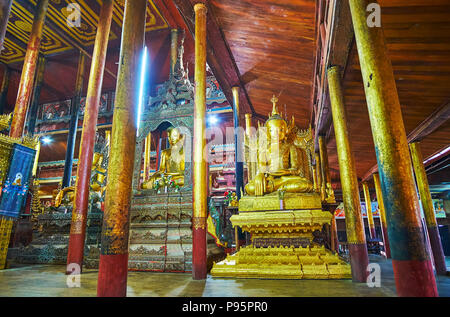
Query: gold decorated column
point(113, 267)
point(326, 189)
point(370, 221)
point(147, 155)
point(316, 184)
point(28, 71)
point(413, 269)
point(318, 173)
point(173, 50)
point(428, 209)
point(356, 237)
point(200, 168)
point(387, 249)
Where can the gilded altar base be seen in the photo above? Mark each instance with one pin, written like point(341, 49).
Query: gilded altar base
point(272, 202)
point(286, 244)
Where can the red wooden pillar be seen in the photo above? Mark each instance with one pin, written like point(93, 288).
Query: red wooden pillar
point(200, 168)
point(413, 270)
point(80, 207)
point(428, 209)
point(28, 71)
point(113, 268)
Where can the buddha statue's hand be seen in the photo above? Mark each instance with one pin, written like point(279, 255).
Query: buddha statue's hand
point(260, 184)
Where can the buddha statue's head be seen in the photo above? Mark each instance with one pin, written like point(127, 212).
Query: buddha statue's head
point(276, 126)
point(174, 135)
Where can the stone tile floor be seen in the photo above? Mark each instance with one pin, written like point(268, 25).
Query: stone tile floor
point(50, 280)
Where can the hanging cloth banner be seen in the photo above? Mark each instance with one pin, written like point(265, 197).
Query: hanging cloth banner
point(15, 188)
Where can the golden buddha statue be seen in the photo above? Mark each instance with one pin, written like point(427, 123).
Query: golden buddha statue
point(98, 175)
point(172, 161)
point(280, 165)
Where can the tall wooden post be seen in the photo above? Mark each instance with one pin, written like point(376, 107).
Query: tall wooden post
point(200, 167)
point(73, 125)
point(249, 147)
point(238, 143)
point(411, 262)
point(387, 249)
point(5, 9)
point(4, 89)
point(326, 189)
point(373, 234)
point(113, 268)
point(428, 209)
point(38, 81)
point(318, 173)
point(147, 155)
point(80, 207)
point(28, 71)
point(356, 237)
point(173, 50)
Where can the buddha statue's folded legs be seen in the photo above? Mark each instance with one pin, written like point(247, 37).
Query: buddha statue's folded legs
point(262, 185)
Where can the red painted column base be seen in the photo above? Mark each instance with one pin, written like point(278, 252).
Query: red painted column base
point(112, 275)
point(436, 248)
point(199, 261)
point(75, 253)
point(414, 278)
point(359, 260)
point(387, 248)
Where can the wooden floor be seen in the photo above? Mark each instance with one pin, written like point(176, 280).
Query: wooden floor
point(50, 280)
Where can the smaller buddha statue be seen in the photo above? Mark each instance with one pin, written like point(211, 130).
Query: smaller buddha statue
point(234, 202)
point(98, 186)
point(280, 165)
point(98, 174)
point(171, 163)
point(66, 194)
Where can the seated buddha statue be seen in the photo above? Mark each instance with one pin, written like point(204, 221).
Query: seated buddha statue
point(279, 162)
point(171, 163)
point(98, 175)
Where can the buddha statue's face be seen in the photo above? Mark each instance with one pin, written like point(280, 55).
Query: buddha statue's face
point(277, 129)
point(174, 136)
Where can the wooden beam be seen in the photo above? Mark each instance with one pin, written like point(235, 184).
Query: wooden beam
point(336, 34)
point(165, 12)
point(430, 124)
point(218, 55)
point(440, 116)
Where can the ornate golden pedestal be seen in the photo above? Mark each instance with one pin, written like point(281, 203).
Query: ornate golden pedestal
point(285, 243)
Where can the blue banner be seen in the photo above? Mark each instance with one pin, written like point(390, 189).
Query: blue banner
point(13, 196)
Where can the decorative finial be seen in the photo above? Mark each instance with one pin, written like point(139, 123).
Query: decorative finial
point(274, 102)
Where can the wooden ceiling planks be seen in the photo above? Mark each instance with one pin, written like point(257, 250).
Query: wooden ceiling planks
point(21, 18)
point(272, 43)
point(418, 39)
point(64, 65)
